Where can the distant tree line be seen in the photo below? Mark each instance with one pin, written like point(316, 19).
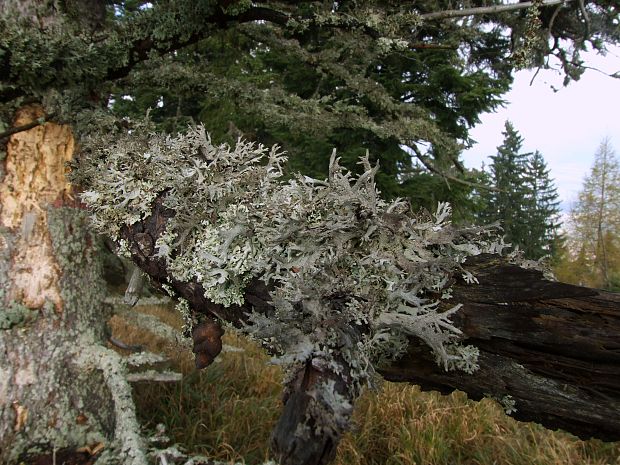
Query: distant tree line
point(591, 254)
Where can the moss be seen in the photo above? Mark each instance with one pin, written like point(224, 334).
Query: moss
point(15, 314)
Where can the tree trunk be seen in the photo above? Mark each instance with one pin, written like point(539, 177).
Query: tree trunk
point(61, 392)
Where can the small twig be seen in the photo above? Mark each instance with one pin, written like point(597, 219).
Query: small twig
point(586, 20)
point(486, 10)
point(448, 177)
point(23, 127)
point(535, 74)
point(318, 87)
point(121, 345)
point(615, 75)
point(554, 16)
point(422, 46)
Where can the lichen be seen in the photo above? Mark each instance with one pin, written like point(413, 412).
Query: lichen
point(189, 318)
point(238, 7)
point(352, 274)
point(534, 38)
point(461, 357)
point(129, 446)
point(509, 404)
point(77, 251)
point(506, 402)
point(142, 359)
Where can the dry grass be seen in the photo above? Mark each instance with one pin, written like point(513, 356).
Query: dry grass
point(401, 425)
point(228, 410)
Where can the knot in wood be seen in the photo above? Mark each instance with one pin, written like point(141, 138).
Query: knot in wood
point(207, 338)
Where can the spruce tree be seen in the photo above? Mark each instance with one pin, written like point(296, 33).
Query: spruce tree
point(541, 210)
point(524, 200)
point(504, 204)
point(439, 82)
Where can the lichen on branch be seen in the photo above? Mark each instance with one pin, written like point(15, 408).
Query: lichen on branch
point(336, 255)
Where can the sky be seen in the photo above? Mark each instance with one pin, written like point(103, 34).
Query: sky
point(566, 126)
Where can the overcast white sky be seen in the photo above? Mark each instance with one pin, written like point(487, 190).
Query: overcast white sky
point(565, 126)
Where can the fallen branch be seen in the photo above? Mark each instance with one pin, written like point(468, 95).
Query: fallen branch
point(550, 347)
point(333, 280)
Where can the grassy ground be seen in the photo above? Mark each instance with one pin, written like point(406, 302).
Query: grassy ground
point(228, 410)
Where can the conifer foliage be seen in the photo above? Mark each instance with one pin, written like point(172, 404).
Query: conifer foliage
point(313, 75)
point(542, 208)
point(524, 200)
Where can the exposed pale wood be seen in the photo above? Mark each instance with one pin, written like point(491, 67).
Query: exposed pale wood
point(34, 178)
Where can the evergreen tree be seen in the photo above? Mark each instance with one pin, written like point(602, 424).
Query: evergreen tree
point(396, 88)
point(524, 200)
point(504, 204)
point(338, 77)
point(541, 210)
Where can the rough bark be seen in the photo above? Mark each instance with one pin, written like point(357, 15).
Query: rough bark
point(60, 389)
point(300, 412)
point(553, 347)
point(549, 348)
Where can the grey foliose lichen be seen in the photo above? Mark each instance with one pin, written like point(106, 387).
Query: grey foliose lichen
point(353, 275)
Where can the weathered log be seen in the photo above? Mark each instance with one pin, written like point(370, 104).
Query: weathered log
point(552, 347)
point(549, 349)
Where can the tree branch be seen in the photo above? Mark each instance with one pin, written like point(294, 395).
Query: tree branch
point(141, 49)
point(448, 177)
point(550, 347)
point(485, 10)
point(24, 127)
